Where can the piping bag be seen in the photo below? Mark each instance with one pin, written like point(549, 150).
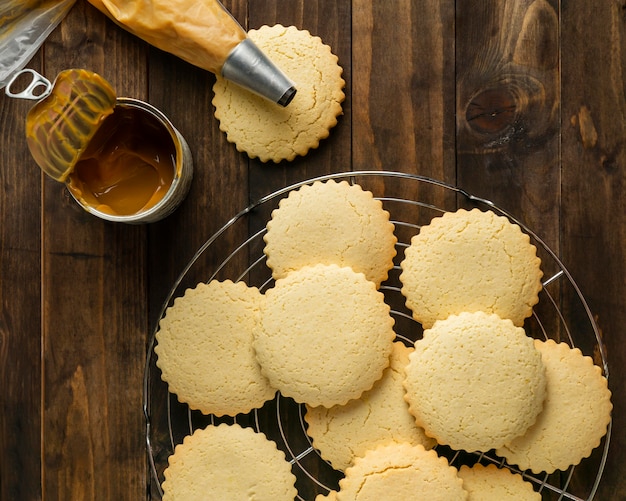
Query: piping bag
point(205, 34)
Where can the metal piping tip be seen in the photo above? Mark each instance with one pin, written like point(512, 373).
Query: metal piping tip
point(287, 96)
point(249, 67)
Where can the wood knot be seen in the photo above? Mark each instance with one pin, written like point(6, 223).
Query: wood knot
point(491, 111)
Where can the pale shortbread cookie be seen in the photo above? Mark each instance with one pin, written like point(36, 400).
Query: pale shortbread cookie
point(576, 413)
point(228, 462)
point(268, 131)
point(204, 349)
point(326, 335)
point(470, 261)
point(331, 223)
point(402, 472)
point(379, 416)
point(475, 381)
point(490, 483)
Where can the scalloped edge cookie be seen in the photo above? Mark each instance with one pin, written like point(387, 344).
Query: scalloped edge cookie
point(267, 131)
point(467, 261)
point(575, 417)
point(408, 471)
point(488, 483)
point(475, 381)
point(228, 462)
point(326, 335)
point(331, 223)
point(204, 349)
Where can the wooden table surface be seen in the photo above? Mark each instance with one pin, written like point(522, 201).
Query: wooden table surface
point(520, 102)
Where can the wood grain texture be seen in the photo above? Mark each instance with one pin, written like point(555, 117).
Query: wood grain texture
point(403, 87)
point(94, 304)
point(184, 94)
point(593, 222)
point(508, 108)
point(20, 317)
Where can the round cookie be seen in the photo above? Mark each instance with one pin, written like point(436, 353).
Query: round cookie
point(326, 335)
point(575, 417)
point(204, 349)
point(401, 472)
point(331, 223)
point(490, 483)
point(268, 131)
point(379, 416)
point(475, 381)
point(228, 462)
point(470, 261)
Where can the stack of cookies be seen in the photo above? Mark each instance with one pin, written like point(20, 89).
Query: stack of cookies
point(376, 408)
point(471, 278)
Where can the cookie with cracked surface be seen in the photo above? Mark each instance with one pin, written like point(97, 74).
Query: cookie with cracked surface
point(379, 416)
point(204, 349)
point(475, 381)
point(228, 462)
point(331, 223)
point(490, 483)
point(470, 261)
point(326, 335)
point(575, 417)
point(267, 131)
point(402, 472)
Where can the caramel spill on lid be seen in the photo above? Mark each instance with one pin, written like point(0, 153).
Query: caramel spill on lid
point(59, 127)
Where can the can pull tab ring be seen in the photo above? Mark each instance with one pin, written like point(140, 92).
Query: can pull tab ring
point(38, 87)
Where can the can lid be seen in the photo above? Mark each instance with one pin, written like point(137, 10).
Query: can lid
point(60, 126)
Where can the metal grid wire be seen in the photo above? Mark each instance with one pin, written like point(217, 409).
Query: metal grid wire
point(236, 252)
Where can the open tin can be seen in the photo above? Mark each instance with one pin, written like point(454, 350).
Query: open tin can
point(158, 189)
point(121, 159)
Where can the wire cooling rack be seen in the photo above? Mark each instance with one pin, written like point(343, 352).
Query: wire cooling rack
point(235, 252)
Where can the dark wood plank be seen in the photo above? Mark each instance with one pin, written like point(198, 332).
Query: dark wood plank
point(94, 304)
point(219, 186)
point(594, 208)
point(403, 89)
point(508, 102)
point(20, 295)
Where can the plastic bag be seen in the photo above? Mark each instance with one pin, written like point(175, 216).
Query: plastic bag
point(24, 26)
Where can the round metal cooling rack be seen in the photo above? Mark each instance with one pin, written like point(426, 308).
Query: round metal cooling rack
point(235, 252)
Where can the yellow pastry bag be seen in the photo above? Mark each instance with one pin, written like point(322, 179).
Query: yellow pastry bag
point(205, 34)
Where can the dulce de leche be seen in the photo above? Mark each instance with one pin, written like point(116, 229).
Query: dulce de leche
point(128, 165)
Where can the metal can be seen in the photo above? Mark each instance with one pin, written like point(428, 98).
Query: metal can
point(133, 136)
